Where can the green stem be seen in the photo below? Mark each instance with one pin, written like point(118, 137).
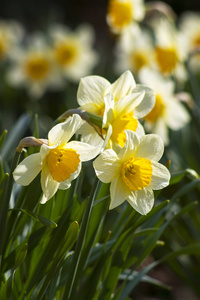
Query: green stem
point(72, 279)
point(5, 206)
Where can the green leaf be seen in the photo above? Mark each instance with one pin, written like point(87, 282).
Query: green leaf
point(178, 176)
point(2, 138)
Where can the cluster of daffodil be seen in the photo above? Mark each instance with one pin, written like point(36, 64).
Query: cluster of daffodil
point(128, 159)
point(45, 60)
point(156, 46)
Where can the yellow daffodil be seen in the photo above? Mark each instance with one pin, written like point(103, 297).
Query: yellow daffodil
point(122, 13)
point(134, 172)
point(59, 161)
point(170, 50)
point(11, 34)
point(73, 53)
point(120, 104)
point(168, 112)
point(33, 67)
point(190, 28)
point(134, 50)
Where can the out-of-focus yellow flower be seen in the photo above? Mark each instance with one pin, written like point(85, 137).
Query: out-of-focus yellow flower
point(73, 51)
point(170, 51)
point(33, 67)
point(59, 161)
point(190, 28)
point(122, 13)
point(134, 50)
point(11, 34)
point(134, 172)
point(120, 104)
point(168, 112)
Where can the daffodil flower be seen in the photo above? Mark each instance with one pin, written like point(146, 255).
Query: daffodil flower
point(120, 104)
point(134, 172)
point(122, 13)
point(168, 112)
point(59, 162)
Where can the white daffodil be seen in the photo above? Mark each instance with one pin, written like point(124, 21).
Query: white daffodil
point(190, 28)
point(168, 112)
point(120, 104)
point(134, 172)
point(134, 50)
point(59, 161)
point(73, 51)
point(11, 34)
point(33, 67)
point(170, 49)
point(122, 13)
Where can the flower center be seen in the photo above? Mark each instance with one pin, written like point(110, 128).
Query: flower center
point(196, 41)
point(120, 124)
point(157, 111)
point(167, 59)
point(139, 60)
point(37, 67)
point(65, 53)
point(62, 163)
point(136, 173)
point(120, 13)
point(3, 48)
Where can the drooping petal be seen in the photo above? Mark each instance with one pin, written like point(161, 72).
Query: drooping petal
point(151, 147)
point(28, 169)
point(130, 147)
point(160, 176)
point(123, 86)
point(108, 112)
point(48, 184)
point(119, 192)
point(92, 89)
point(86, 151)
point(107, 165)
point(61, 133)
point(142, 201)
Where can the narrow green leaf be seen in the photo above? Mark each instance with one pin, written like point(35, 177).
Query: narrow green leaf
point(2, 138)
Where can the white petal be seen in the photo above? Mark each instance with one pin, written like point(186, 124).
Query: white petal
point(49, 185)
point(161, 129)
point(61, 133)
point(151, 147)
point(86, 151)
point(130, 147)
point(123, 86)
point(106, 165)
point(142, 201)
point(108, 112)
point(119, 192)
point(160, 176)
point(128, 104)
point(92, 89)
point(147, 103)
point(140, 129)
point(28, 169)
point(177, 115)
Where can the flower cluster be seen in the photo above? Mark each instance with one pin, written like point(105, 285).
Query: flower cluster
point(45, 60)
point(156, 47)
point(128, 158)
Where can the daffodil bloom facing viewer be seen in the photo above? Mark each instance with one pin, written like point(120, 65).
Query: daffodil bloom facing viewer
point(73, 50)
point(33, 67)
point(134, 172)
point(122, 13)
point(59, 161)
